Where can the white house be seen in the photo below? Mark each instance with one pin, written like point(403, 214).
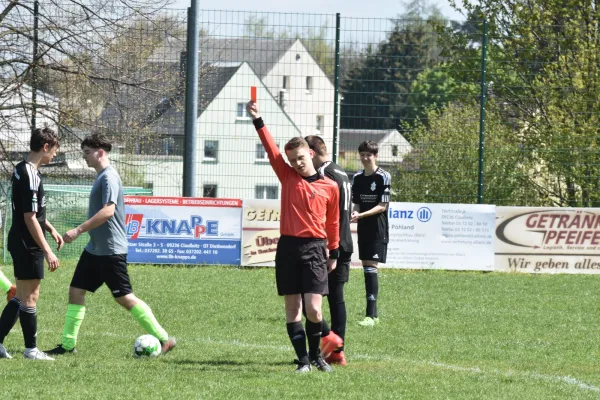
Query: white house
point(392, 147)
point(285, 67)
point(295, 99)
point(231, 161)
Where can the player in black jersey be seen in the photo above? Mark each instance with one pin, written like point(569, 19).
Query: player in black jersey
point(27, 243)
point(339, 276)
point(371, 198)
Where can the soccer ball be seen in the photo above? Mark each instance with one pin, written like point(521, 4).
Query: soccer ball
point(146, 346)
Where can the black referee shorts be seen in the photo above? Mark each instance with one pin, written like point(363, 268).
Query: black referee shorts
point(93, 271)
point(301, 266)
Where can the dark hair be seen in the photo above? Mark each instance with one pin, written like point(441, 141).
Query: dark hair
point(368, 146)
point(316, 144)
point(41, 136)
point(97, 141)
point(295, 142)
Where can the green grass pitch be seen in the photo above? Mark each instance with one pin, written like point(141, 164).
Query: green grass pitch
point(443, 335)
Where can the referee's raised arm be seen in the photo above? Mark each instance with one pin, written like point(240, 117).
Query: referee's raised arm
point(281, 168)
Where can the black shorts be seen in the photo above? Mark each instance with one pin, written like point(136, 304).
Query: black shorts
point(301, 266)
point(92, 271)
point(371, 251)
point(27, 263)
point(341, 273)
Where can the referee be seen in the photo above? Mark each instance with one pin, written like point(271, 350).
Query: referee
point(309, 216)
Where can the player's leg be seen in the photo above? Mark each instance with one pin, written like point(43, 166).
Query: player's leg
point(7, 287)
point(289, 285)
point(28, 291)
point(337, 307)
point(10, 314)
point(369, 255)
point(295, 330)
point(117, 279)
point(314, 285)
point(330, 341)
point(143, 314)
point(86, 278)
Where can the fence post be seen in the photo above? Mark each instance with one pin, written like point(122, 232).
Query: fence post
point(336, 94)
point(191, 102)
point(36, 14)
point(482, 113)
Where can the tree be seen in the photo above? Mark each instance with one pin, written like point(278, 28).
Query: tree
point(544, 73)
point(444, 163)
point(377, 91)
point(88, 52)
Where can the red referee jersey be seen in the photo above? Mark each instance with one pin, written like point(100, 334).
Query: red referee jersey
point(308, 209)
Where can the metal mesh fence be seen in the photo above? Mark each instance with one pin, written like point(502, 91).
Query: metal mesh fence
point(497, 112)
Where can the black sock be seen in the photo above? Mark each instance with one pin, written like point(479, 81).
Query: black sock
point(313, 332)
point(372, 288)
point(298, 339)
point(337, 308)
point(325, 330)
point(28, 317)
point(9, 317)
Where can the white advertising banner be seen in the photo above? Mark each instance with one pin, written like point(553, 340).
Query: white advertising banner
point(548, 240)
point(422, 236)
point(260, 232)
point(441, 236)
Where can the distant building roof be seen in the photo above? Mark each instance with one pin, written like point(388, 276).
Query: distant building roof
point(350, 139)
point(260, 53)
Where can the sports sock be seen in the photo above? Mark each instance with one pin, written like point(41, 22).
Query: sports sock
point(9, 317)
point(325, 330)
point(372, 288)
point(28, 318)
point(298, 338)
point(313, 332)
point(337, 308)
point(143, 315)
point(73, 320)
point(5, 284)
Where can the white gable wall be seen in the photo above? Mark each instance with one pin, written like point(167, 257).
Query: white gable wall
point(236, 172)
point(304, 106)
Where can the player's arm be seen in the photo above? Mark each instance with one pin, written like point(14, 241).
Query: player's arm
point(355, 203)
point(55, 235)
point(332, 228)
point(276, 160)
point(378, 209)
point(106, 213)
point(110, 195)
point(28, 187)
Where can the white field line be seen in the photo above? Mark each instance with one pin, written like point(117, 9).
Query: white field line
point(473, 370)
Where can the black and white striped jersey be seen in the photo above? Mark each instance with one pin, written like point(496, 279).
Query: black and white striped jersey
point(367, 192)
point(27, 196)
point(337, 174)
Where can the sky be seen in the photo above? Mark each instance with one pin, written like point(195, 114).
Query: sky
point(347, 8)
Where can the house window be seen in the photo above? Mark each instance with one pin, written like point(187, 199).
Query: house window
point(241, 111)
point(286, 82)
point(211, 147)
point(309, 84)
point(209, 190)
point(319, 124)
point(261, 153)
point(395, 150)
point(266, 192)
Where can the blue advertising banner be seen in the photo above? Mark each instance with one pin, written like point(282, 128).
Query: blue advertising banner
point(183, 230)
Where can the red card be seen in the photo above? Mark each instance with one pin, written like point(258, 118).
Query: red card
point(253, 93)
